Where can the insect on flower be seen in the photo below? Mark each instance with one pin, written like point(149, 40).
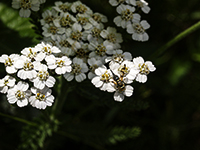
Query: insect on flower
point(118, 82)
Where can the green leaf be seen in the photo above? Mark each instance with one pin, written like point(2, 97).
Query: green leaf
point(16, 32)
point(119, 134)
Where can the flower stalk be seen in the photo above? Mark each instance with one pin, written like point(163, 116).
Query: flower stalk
point(176, 39)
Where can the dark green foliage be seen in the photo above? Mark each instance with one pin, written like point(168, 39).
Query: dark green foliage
point(119, 134)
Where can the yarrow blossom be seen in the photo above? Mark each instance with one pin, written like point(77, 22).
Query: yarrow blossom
point(138, 30)
point(6, 83)
point(26, 6)
point(144, 68)
point(9, 62)
point(76, 45)
point(34, 66)
point(41, 98)
point(19, 94)
point(130, 20)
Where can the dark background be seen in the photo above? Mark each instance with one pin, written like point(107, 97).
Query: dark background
point(166, 108)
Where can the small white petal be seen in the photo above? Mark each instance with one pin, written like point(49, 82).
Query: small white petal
point(118, 97)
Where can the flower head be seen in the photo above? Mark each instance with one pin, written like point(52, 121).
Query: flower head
point(41, 98)
point(19, 94)
point(9, 62)
point(43, 77)
point(26, 67)
point(138, 30)
point(143, 5)
point(45, 50)
point(79, 68)
point(102, 79)
point(127, 16)
point(61, 65)
point(6, 83)
point(26, 6)
point(144, 69)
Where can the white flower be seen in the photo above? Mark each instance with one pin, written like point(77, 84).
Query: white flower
point(6, 83)
point(83, 20)
point(127, 16)
point(61, 65)
point(9, 62)
point(94, 64)
point(126, 70)
point(30, 52)
point(119, 94)
point(143, 5)
point(43, 78)
point(138, 30)
point(65, 20)
point(116, 2)
point(78, 7)
point(79, 68)
point(97, 18)
point(45, 50)
point(51, 30)
point(75, 33)
point(42, 98)
point(112, 37)
point(144, 69)
point(62, 7)
point(26, 67)
point(118, 57)
point(25, 6)
point(50, 40)
point(48, 17)
point(100, 50)
point(67, 45)
point(102, 79)
point(82, 52)
point(132, 2)
point(94, 34)
point(19, 93)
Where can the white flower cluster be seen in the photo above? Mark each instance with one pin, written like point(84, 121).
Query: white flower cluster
point(75, 45)
point(122, 71)
point(26, 6)
point(130, 19)
point(31, 70)
point(80, 34)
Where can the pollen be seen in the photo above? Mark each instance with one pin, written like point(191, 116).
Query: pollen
point(111, 38)
point(20, 95)
point(127, 15)
point(43, 75)
point(144, 69)
point(100, 50)
point(8, 62)
point(28, 66)
point(105, 77)
point(139, 29)
point(64, 8)
point(40, 96)
point(60, 63)
point(25, 4)
point(81, 9)
point(96, 32)
point(66, 21)
point(76, 69)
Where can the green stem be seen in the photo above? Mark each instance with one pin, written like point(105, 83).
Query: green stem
point(176, 39)
point(19, 119)
point(62, 92)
